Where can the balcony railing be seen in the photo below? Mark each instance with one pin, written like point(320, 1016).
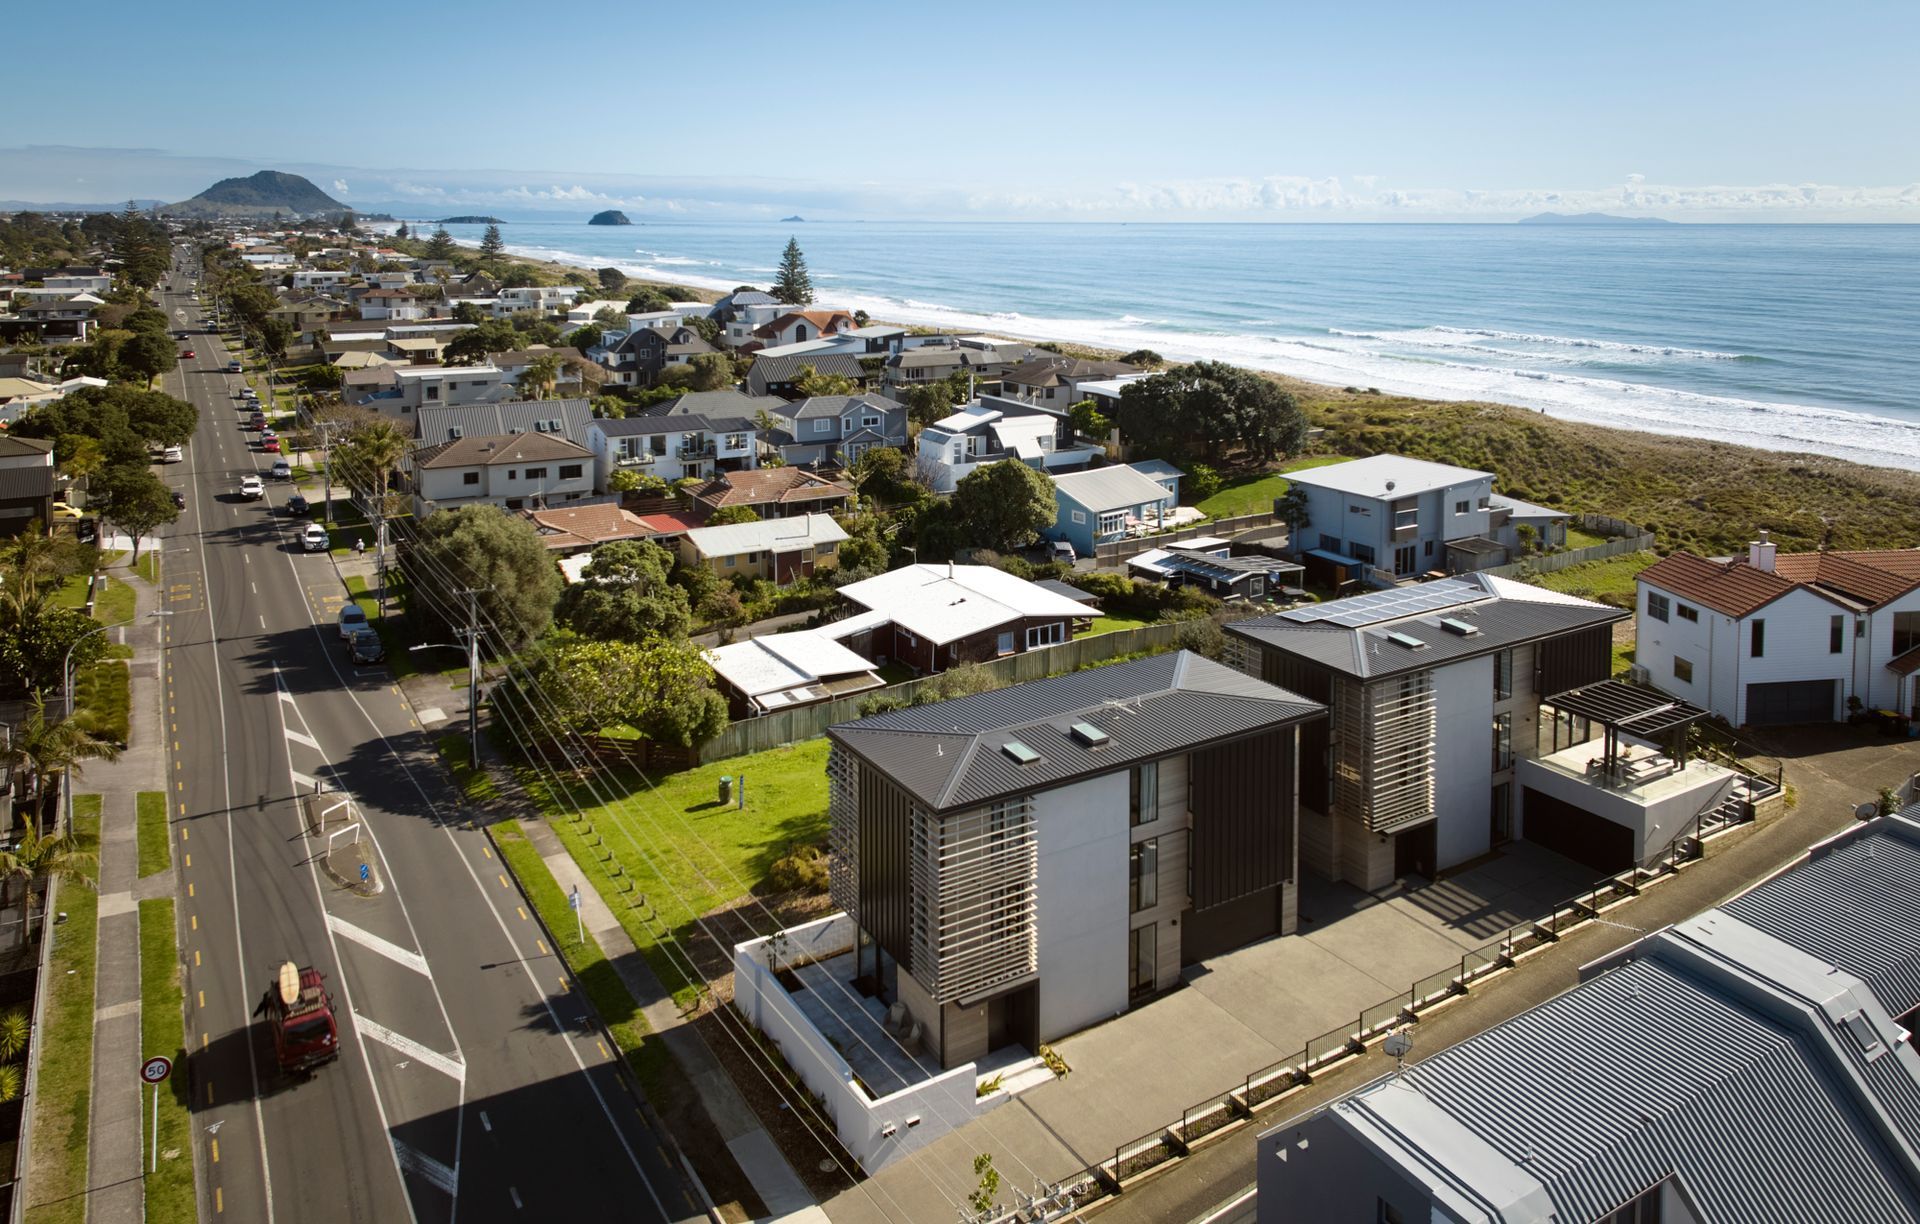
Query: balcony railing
point(698, 450)
point(641, 459)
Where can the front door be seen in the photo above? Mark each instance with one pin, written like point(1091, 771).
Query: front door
point(1405, 560)
point(1413, 851)
point(1500, 820)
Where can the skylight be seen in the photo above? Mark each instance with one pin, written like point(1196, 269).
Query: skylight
point(1089, 735)
point(1407, 640)
point(1463, 628)
point(1020, 752)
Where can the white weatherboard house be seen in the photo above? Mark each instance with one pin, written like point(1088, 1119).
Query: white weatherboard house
point(1778, 638)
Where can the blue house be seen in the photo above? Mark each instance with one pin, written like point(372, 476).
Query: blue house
point(1102, 504)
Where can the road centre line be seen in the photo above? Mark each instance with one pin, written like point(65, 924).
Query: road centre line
point(453, 1068)
point(385, 947)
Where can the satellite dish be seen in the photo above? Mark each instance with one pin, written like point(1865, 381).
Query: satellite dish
point(1398, 1044)
point(1866, 811)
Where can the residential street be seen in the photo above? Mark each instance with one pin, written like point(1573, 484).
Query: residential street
point(468, 1076)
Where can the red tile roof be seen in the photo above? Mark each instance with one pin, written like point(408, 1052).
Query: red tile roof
point(1871, 578)
point(1737, 589)
point(767, 486)
point(1730, 587)
point(669, 524)
point(585, 526)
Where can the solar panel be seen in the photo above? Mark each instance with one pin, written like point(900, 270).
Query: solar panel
point(1373, 609)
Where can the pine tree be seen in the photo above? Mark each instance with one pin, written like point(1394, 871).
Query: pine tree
point(793, 286)
point(440, 246)
point(403, 233)
point(491, 244)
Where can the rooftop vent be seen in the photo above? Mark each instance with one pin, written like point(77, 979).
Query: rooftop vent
point(1407, 640)
point(1021, 754)
point(1460, 627)
point(1088, 735)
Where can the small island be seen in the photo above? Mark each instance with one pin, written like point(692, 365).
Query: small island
point(469, 221)
point(796, 217)
point(1592, 218)
point(612, 216)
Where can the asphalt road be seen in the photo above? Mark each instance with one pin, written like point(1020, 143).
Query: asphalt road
point(469, 1083)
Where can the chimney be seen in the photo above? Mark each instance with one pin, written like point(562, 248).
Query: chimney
point(1760, 553)
point(949, 568)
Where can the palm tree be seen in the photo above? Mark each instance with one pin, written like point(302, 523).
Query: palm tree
point(374, 447)
point(43, 748)
point(541, 373)
point(55, 856)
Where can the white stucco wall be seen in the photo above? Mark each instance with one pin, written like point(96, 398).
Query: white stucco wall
point(1462, 758)
point(1082, 903)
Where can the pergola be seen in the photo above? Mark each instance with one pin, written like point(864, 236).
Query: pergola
point(1627, 709)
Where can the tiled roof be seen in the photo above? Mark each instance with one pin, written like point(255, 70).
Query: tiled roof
point(1732, 588)
point(763, 486)
point(1735, 588)
point(585, 526)
point(1871, 578)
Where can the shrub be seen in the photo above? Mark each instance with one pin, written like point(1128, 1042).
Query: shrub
point(800, 869)
point(1201, 482)
point(1202, 637)
point(962, 681)
point(882, 703)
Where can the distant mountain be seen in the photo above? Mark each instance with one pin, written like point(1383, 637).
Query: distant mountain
point(259, 195)
point(1551, 218)
point(612, 216)
point(65, 206)
point(469, 221)
point(796, 217)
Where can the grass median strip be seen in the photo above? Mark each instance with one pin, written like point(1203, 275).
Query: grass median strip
point(170, 1192)
point(63, 1095)
point(156, 835)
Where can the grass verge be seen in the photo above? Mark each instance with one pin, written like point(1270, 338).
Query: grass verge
point(114, 605)
point(102, 701)
point(1609, 581)
point(64, 1094)
point(148, 566)
point(1254, 494)
point(170, 1193)
point(156, 836)
point(399, 659)
point(473, 783)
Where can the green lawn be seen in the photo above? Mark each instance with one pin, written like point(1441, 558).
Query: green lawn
point(1109, 624)
point(59, 1152)
point(114, 605)
point(1254, 494)
point(155, 833)
point(72, 593)
point(1609, 581)
point(474, 784)
point(103, 700)
point(170, 1194)
point(896, 673)
point(591, 968)
point(673, 843)
point(1577, 538)
point(1622, 657)
point(148, 566)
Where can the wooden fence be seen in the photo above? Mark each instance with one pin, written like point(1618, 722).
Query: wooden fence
point(1550, 562)
point(807, 722)
point(1120, 550)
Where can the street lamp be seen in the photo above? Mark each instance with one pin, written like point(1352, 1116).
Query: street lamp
point(472, 647)
point(66, 679)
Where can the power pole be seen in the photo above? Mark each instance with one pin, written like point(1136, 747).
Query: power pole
point(472, 633)
point(326, 468)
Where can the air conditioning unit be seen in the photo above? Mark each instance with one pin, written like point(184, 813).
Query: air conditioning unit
point(1639, 674)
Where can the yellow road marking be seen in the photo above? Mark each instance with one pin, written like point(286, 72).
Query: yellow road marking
point(176, 726)
point(203, 1045)
point(210, 1101)
point(189, 860)
point(203, 997)
point(486, 852)
point(503, 880)
point(183, 832)
point(195, 919)
point(543, 946)
point(176, 745)
point(603, 1048)
point(179, 786)
point(178, 766)
point(183, 812)
point(563, 985)
point(189, 888)
point(219, 1204)
point(216, 1151)
point(196, 958)
point(522, 911)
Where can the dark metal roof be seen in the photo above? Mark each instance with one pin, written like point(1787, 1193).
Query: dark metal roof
point(948, 755)
point(508, 416)
point(1226, 569)
point(25, 482)
point(1626, 707)
point(633, 426)
point(1066, 589)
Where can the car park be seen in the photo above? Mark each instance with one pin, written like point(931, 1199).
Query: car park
point(314, 538)
point(352, 619)
point(281, 470)
point(365, 647)
point(252, 488)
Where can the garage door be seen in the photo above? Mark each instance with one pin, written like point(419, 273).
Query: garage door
point(1791, 701)
point(1590, 840)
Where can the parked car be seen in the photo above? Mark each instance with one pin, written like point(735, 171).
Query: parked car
point(296, 505)
point(271, 445)
point(257, 421)
point(172, 454)
point(86, 530)
point(233, 367)
point(314, 538)
point(252, 488)
point(179, 500)
point(352, 620)
point(281, 470)
point(365, 647)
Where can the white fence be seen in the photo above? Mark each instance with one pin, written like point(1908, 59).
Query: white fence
point(876, 1132)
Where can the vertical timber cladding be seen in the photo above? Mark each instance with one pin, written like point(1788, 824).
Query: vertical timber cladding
point(884, 884)
point(1241, 796)
point(1573, 659)
point(1315, 683)
point(1386, 751)
point(973, 913)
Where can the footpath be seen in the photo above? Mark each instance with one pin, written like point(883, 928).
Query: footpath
point(116, 1156)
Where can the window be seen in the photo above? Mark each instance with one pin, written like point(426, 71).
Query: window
point(1330, 543)
point(1460, 507)
point(512, 474)
point(433, 393)
point(538, 473)
point(1682, 670)
point(1140, 960)
point(469, 478)
point(1384, 1213)
point(1688, 613)
point(1143, 869)
point(1079, 516)
point(1406, 518)
point(736, 441)
point(1051, 634)
point(1503, 741)
point(1836, 633)
point(1143, 793)
point(1906, 631)
point(1429, 548)
point(1363, 553)
point(1004, 643)
point(1758, 647)
point(1362, 511)
point(1113, 523)
point(569, 471)
point(870, 422)
point(1657, 605)
point(823, 425)
point(1503, 675)
point(732, 561)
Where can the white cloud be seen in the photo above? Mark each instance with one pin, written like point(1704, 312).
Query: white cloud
point(340, 187)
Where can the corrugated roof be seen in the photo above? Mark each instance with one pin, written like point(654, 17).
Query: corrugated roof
point(1370, 477)
point(490, 450)
point(948, 754)
point(1110, 488)
point(944, 603)
point(770, 535)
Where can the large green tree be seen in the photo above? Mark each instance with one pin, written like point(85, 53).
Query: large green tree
point(1002, 506)
point(148, 355)
point(491, 243)
point(483, 548)
point(648, 300)
point(440, 246)
point(35, 638)
point(472, 347)
point(135, 500)
point(793, 285)
point(625, 593)
point(1201, 409)
point(574, 686)
point(612, 280)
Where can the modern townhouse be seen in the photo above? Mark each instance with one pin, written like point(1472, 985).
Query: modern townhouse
point(931, 617)
point(513, 471)
point(776, 375)
point(1104, 504)
point(1024, 863)
point(952, 447)
point(1778, 638)
point(541, 299)
point(1752, 1062)
point(1388, 517)
point(1435, 695)
point(399, 392)
point(395, 304)
point(569, 378)
point(565, 418)
point(68, 320)
point(644, 353)
point(740, 312)
point(835, 430)
point(782, 550)
point(672, 446)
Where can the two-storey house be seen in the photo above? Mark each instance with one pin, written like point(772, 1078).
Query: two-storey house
point(799, 326)
point(829, 430)
point(1055, 380)
point(954, 446)
point(640, 357)
point(777, 375)
point(398, 392)
point(1778, 638)
point(1025, 863)
point(26, 483)
point(672, 446)
point(566, 418)
point(530, 471)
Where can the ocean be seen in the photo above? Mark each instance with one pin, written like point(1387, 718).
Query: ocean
point(1789, 338)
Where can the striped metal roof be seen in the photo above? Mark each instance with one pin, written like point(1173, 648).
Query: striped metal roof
point(1867, 880)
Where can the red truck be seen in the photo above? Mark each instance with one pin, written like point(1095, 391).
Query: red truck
point(300, 1010)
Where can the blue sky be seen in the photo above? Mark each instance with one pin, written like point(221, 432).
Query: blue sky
point(1208, 110)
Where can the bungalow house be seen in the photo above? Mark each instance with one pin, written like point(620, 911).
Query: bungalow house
point(931, 617)
point(1055, 380)
point(1101, 505)
point(1025, 863)
point(954, 446)
point(1209, 563)
point(779, 492)
point(1776, 638)
point(776, 375)
point(26, 483)
point(799, 326)
point(512, 471)
point(784, 550)
point(835, 429)
point(565, 418)
point(672, 446)
point(578, 528)
point(783, 671)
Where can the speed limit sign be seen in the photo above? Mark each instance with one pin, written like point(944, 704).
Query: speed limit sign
point(156, 1069)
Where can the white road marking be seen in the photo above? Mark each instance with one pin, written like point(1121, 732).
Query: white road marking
point(263, 622)
point(430, 1170)
point(385, 947)
point(449, 1067)
point(301, 737)
point(516, 1196)
point(486, 1122)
